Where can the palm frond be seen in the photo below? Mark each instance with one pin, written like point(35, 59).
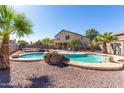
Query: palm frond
point(6, 12)
point(22, 26)
point(105, 37)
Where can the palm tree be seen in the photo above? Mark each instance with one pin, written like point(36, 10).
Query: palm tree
point(38, 42)
point(11, 22)
point(104, 39)
point(91, 33)
point(93, 45)
point(47, 41)
point(74, 43)
point(0, 37)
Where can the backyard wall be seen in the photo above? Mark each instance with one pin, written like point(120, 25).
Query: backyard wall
point(13, 46)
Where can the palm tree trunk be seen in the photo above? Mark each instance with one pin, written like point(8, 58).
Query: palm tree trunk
point(73, 48)
point(47, 47)
point(104, 48)
point(5, 53)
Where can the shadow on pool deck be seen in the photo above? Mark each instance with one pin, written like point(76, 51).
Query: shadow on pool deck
point(5, 79)
point(61, 65)
point(40, 82)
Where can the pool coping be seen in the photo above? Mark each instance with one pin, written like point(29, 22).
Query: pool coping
point(97, 66)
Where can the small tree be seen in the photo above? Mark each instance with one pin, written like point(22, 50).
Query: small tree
point(0, 37)
point(104, 39)
point(74, 43)
point(91, 33)
point(93, 45)
point(37, 43)
point(47, 41)
point(22, 43)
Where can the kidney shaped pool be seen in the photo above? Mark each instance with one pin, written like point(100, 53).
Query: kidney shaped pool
point(32, 55)
point(88, 58)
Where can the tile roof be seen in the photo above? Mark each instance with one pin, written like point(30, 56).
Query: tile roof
point(69, 32)
point(119, 33)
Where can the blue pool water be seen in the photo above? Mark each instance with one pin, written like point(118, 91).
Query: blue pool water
point(88, 58)
point(32, 55)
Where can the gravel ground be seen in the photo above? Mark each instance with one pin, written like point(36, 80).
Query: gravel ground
point(42, 75)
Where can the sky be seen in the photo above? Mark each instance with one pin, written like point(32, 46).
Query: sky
point(49, 20)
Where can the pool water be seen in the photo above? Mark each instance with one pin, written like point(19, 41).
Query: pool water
point(88, 58)
point(32, 55)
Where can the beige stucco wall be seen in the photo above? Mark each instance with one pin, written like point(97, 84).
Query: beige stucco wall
point(121, 37)
point(110, 50)
point(119, 41)
point(62, 35)
point(13, 46)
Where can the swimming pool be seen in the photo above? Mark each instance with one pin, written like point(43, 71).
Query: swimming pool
point(88, 58)
point(32, 55)
point(79, 60)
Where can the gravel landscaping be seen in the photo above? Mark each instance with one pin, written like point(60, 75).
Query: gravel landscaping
point(42, 75)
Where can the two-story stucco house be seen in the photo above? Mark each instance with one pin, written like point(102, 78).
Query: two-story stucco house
point(63, 38)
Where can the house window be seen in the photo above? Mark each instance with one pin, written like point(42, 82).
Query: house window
point(58, 38)
point(67, 37)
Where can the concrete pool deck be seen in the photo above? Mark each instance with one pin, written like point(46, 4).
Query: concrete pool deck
point(97, 66)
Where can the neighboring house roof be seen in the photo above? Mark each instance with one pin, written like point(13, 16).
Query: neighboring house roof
point(69, 32)
point(119, 33)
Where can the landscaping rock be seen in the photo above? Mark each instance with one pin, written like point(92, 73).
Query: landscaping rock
point(47, 57)
point(54, 58)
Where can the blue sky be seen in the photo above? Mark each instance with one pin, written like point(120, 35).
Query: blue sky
point(49, 20)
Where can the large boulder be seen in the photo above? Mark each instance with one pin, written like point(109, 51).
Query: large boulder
point(47, 58)
point(54, 58)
